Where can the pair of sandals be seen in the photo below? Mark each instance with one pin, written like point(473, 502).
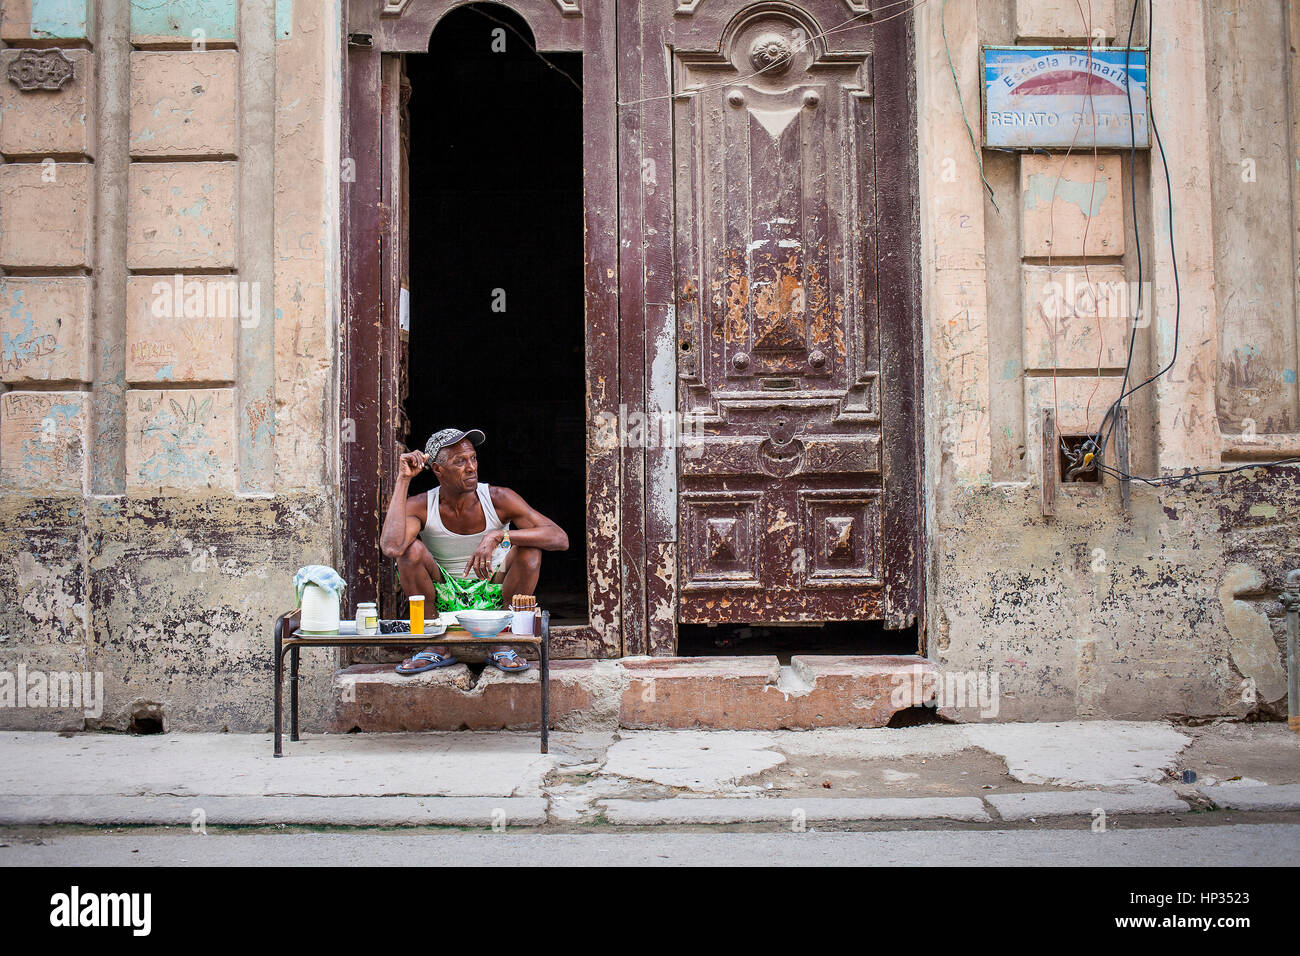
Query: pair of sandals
point(507, 661)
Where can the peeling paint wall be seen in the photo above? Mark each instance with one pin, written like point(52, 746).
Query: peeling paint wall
point(1096, 614)
point(166, 437)
point(1169, 609)
point(1252, 176)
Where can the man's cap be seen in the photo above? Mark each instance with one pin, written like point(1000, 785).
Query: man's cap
point(449, 436)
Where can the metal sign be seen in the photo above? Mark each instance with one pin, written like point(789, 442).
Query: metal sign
point(1059, 97)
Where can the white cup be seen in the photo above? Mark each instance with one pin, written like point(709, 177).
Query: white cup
point(523, 623)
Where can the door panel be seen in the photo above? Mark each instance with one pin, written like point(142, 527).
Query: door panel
point(775, 207)
point(784, 504)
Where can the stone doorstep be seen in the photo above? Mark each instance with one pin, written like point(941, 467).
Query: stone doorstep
point(756, 693)
point(374, 698)
point(637, 693)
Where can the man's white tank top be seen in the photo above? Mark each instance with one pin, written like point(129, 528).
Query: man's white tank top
point(452, 550)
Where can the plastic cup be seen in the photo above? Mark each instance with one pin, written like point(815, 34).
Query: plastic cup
point(417, 613)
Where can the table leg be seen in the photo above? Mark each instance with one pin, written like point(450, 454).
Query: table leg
point(293, 692)
point(279, 692)
point(545, 654)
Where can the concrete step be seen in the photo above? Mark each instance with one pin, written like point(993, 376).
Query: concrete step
point(757, 693)
point(375, 698)
point(711, 693)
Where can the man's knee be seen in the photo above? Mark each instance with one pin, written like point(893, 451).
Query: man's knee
point(412, 565)
point(412, 561)
point(530, 558)
point(414, 553)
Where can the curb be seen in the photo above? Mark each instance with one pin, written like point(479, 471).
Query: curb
point(682, 810)
point(1284, 796)
point(414, 811)
point(97, 810)
point(1082, 803)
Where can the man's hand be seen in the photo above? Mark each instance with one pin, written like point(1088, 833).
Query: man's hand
point(480, 562)
point(411, 464)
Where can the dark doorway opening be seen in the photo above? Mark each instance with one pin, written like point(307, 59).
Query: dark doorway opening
point(496, 269)
point(854, 638)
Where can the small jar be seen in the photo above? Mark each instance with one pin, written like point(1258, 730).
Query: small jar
point(367, 618)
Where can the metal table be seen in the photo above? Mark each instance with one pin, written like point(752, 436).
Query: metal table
point(289, 639)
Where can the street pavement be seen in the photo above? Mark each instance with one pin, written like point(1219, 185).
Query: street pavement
point(1216, 846)
point(1086, 776)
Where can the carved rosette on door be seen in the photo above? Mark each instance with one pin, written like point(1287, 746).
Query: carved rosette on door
point(778, 325)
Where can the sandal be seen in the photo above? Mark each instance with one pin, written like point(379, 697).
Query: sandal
point(507, 661)
point(435, 660)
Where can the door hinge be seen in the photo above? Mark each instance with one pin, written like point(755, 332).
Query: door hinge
point(360, 39)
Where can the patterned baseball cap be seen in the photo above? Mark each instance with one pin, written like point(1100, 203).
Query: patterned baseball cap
point(449, 436)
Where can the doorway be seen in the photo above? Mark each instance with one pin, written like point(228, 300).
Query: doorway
point(494, 192)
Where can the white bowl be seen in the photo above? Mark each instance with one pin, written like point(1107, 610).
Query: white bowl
point(485, 623)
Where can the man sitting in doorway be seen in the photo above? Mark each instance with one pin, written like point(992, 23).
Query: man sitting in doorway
point(457, 529)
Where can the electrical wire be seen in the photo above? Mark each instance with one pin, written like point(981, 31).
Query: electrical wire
point(847, 24)
point(1137, 233)
point(1178, 295)
point(1112, 414)
point(532, 47)
point(979, 158)
point(1176, 479)
point(1087, 223)
point(1087, 276)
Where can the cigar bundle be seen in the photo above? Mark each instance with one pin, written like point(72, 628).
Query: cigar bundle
point(523, 602)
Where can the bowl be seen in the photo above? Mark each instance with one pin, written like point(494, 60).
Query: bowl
point(485, 623)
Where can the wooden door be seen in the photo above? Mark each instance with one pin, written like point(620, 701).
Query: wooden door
point(372, 427)
point(793, 242)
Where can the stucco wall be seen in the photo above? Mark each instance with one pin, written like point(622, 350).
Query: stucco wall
point(1169, 609)
point(168, 233)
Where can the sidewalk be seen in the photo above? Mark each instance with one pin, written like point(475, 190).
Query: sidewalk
point(968, 774)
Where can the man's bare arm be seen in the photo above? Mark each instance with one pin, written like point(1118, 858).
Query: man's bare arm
point(532, 529)
point(405, 517)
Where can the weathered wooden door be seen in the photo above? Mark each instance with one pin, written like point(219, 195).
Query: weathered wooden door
point(793, 241)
